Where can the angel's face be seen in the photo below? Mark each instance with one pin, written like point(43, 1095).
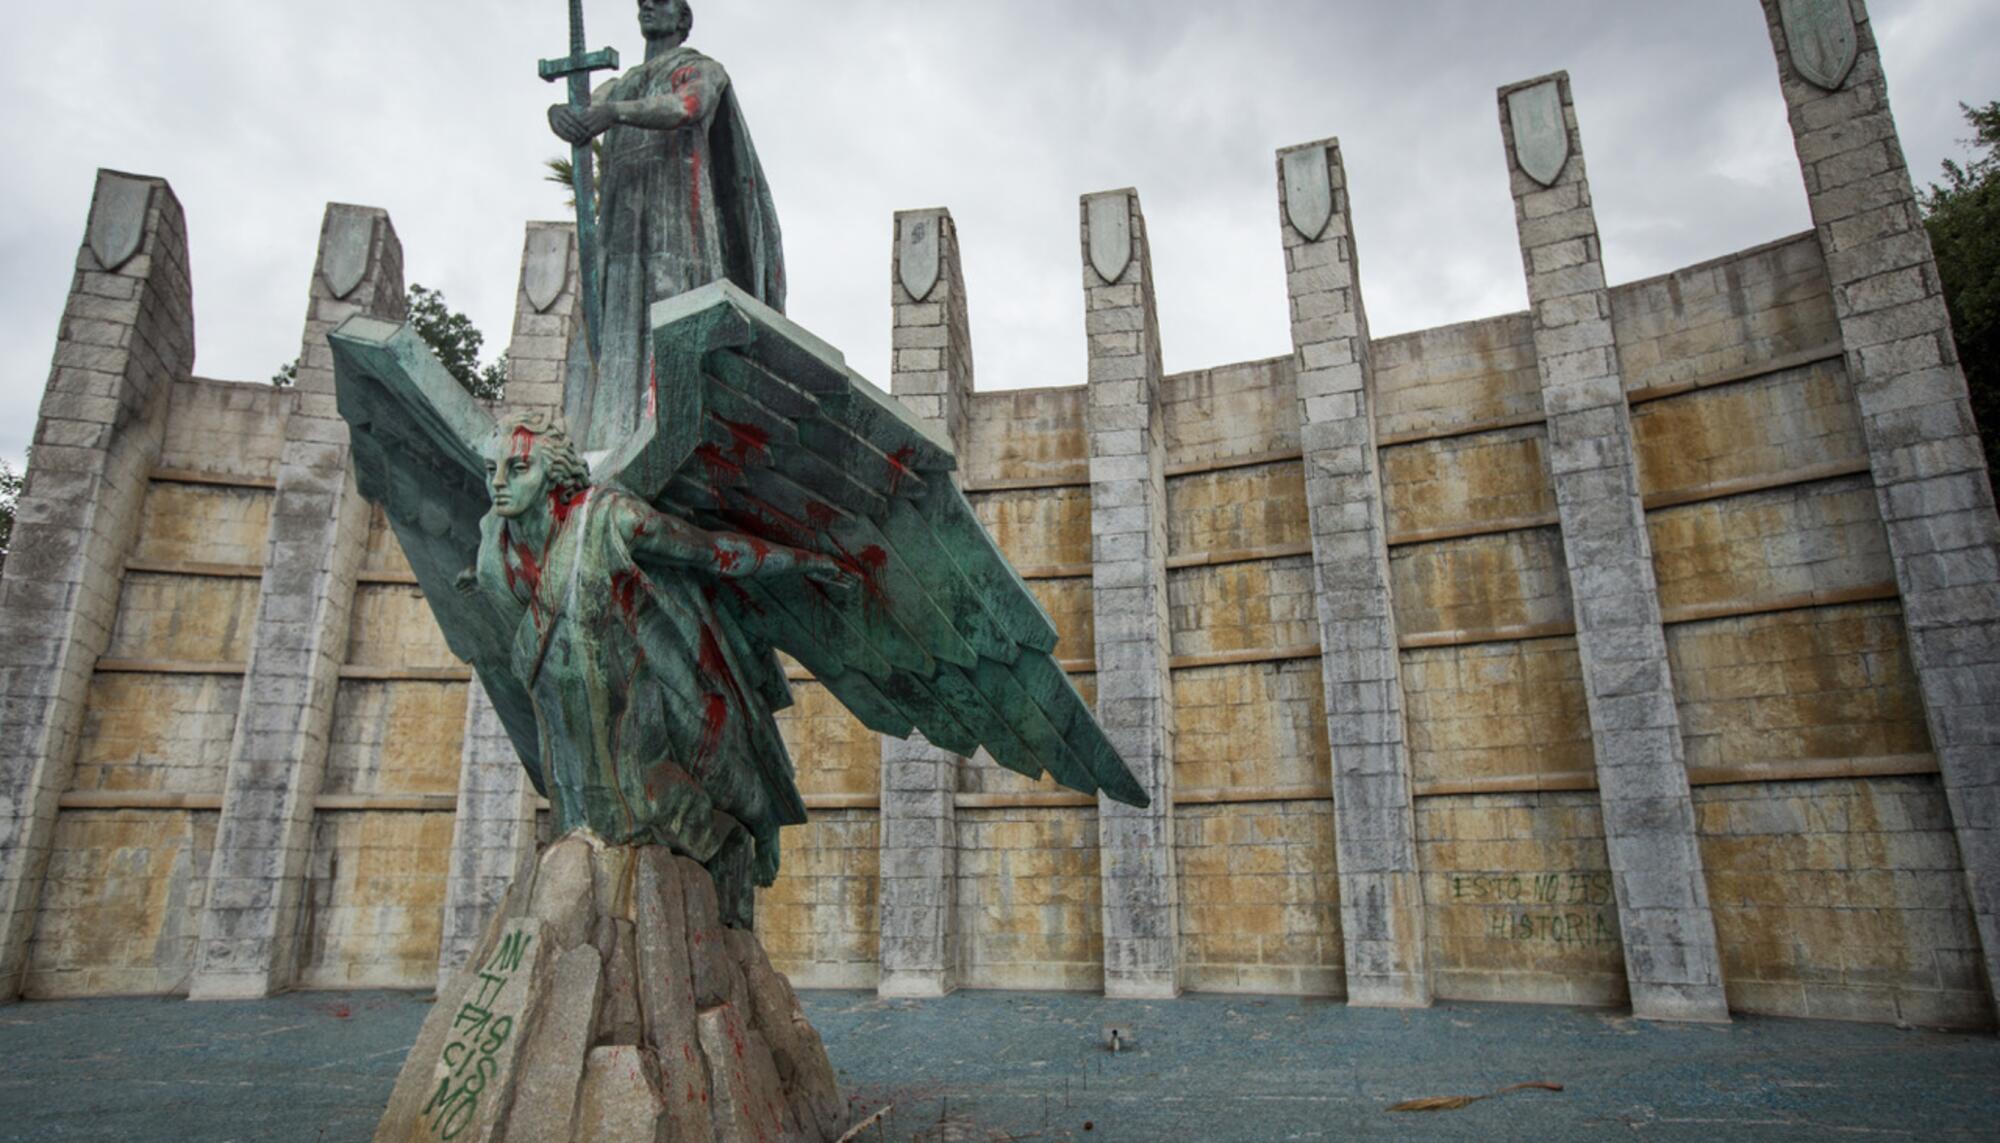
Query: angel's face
point(517, 474)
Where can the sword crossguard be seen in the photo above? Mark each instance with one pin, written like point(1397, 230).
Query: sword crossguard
point(605, 59)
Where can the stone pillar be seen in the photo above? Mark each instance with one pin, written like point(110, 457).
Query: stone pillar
point(1128, 523)
point(494, 831)
point(127, 335)
point(1381, 890)
point(1923, 447)
point(319, 526)
point(931, 374)
point(1671, 961)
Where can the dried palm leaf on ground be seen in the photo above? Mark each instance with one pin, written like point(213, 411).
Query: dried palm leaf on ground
point(1454, 1102)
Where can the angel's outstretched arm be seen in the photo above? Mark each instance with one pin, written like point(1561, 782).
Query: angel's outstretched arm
point(729, 555)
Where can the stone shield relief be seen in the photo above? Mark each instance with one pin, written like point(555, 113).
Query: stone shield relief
point(118, 219)
point(1308, 192)
point(1822, 39)
point(548, 267)
point(350, 235)
point(1109, 219)
point(1541, 138)
point(917, 254)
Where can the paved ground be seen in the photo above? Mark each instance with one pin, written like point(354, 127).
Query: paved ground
point(994, 1066)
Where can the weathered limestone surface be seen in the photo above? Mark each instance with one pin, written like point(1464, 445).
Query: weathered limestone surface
point(1930, 472)
point(1381, 896)
point(931, 374)
point(318, 527)
point(127, 336)
point(1669, 935)
point(606, 1002)
point(1128, 524)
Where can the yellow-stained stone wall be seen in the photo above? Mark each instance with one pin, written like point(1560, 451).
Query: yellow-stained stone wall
point(400, 737)
point(1794, 420)
point(1754, 306)
point(1260, 902)
point(1488, 714)
point(1237, 510)
point(1518, 899)
point(1766, 547)
point(1842, 899)
point(1228, 413)
point(374, 908)
point(1517, 895)
point(1837, 897)
point(1827, 684)
point(121, 906)
point(1029, 909)
point(1832, 868)
point(821, 922)
point(159, 733)
point(205, 523)
point(1456, 376)
point(1439, 485)
point(375, 897)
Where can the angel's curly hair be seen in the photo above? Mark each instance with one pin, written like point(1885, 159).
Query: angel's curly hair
point(567, 470)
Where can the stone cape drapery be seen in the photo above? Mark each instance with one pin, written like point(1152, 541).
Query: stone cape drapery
point(677, 209)
point(641, 694)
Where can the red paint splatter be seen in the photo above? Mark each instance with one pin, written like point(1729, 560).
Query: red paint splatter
point(523, 568)
point(759, 550)
point(653, 393)
point(820, 515)
point(748, 442)
point(523, 442)
point(899, 466)
point(725, 559)
point(562, 502)
point(714, 715)
point(722, 471)
point(741, 596)
point(625, 593)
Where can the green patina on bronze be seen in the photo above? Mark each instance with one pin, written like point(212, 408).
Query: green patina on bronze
point(682, 202)
point(626, 622)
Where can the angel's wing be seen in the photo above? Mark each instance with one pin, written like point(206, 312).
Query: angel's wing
point(418, 440)
point(761, 428)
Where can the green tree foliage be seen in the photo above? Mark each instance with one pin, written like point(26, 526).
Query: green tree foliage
point(452, 336)
point(10, 494)
point(1963, 216)
point(457, 342)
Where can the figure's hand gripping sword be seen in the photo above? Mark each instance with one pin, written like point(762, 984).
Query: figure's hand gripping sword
point(576, 67)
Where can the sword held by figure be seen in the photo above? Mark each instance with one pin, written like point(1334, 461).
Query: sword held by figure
point(576, 67)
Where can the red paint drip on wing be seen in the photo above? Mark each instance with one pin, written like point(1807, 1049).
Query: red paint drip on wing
point(625, 593)
point(899, 466)
point(747, 442)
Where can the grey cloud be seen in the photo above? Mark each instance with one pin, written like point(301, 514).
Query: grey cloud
point(260, 113)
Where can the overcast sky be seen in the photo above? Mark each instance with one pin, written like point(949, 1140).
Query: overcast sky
point(260, 112)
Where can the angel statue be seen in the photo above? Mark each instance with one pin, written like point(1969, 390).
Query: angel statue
point(626, 621)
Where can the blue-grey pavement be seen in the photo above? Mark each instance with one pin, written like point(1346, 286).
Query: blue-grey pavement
point(1001, 1065)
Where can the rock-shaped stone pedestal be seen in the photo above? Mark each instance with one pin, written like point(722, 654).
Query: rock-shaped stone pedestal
point(608, 1003)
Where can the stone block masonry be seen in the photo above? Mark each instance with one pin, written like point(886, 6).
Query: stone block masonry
point(931, 374)
point(1671, 960)
point(1381, 894)
point(319, 526)
point(127, 336)
point(1128, 524)
point(1923, 447)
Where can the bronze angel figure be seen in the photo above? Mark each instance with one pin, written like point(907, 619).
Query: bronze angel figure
point(625, 615)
